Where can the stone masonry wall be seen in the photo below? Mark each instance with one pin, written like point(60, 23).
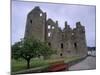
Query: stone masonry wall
point(67, 42)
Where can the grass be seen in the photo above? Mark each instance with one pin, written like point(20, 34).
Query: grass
point(18, 65)
point(21, 64)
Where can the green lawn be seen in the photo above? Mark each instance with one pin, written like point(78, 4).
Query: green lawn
point(18, 65)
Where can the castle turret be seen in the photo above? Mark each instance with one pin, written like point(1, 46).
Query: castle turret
point(35, 26)
point(56, 23)
point(78, 24)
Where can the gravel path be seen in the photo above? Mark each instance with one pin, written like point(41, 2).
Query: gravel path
point(88, 63)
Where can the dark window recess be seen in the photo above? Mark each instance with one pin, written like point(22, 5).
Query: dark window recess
point(31, 21)
point(75, 45)
point(60, 54)
point(61, 45)
point(49, 44)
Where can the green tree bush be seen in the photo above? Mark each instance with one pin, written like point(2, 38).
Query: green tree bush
point(30, 48)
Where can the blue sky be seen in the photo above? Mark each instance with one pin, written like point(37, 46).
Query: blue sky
point(61, 12)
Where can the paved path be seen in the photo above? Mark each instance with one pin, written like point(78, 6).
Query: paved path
point(88, 63)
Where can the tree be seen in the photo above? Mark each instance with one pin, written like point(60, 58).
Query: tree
point(16, 50)
point(26, 49)
point(30, 48)
point(46, 51)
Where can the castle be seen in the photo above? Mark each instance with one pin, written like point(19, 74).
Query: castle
point(67, 42)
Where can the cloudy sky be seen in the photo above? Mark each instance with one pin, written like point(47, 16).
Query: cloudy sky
point(61, 12)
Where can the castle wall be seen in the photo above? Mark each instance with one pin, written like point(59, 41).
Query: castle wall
point(69, 49)
point(52, 35)
point(67, 42)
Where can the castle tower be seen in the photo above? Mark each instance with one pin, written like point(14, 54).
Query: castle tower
point(35, 25)
point(80, 40)
point(68, 42)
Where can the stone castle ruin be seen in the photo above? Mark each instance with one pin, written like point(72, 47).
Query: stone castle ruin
point(67, 42)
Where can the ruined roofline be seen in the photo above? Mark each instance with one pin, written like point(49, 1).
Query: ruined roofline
point(52, 21)
point(49, 19)
point(78, 24)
